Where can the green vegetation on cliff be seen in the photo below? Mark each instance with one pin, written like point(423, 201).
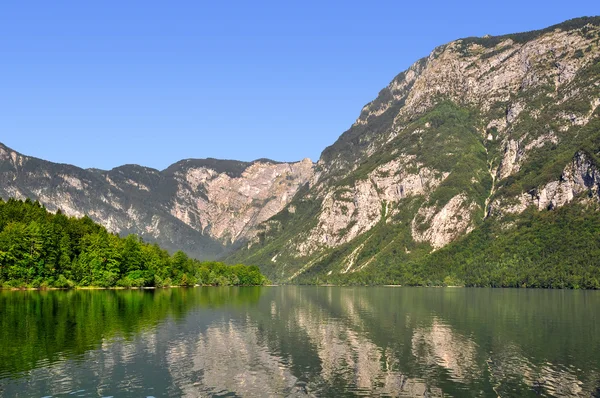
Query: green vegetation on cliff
point(41, 249)
point(549, 249)
point(552, 248)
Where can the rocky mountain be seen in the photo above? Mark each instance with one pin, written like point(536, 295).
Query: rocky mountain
point(468, 139)
point(476, 165)
point(201, 206)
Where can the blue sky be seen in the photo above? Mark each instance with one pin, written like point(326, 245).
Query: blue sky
point(100, 84)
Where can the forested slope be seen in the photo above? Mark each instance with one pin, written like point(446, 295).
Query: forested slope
point(41, 249)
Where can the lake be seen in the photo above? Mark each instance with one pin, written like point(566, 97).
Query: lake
point(299, 341)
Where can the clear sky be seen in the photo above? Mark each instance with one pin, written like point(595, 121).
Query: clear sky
point(105, 83)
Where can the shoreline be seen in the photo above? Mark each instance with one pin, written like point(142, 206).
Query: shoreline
point(14, 289)
point(272, 285)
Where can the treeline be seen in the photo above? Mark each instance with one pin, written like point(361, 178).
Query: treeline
point(42, 249)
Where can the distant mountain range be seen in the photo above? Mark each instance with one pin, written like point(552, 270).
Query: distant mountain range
point(201, 206)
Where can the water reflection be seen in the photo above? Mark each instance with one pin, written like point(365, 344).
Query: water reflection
point(228, 358)
point(350, 358)
point(299, 341)
point(438, 344)
point(511, 371)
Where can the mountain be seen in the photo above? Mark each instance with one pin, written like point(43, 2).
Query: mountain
point(201, 206)
point(478, 165)
point(469, 153)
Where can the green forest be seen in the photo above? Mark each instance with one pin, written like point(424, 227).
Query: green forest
point(39, 249)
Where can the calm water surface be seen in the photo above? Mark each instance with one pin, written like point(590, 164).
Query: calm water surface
point(298, 341)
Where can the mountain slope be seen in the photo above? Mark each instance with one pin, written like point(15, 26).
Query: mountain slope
point(486, 139)
point(201, 206)
point(465, 139)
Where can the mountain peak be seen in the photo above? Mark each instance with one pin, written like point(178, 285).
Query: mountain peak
point(464, 140)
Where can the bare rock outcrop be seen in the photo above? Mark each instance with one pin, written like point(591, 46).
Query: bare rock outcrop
point(579, 176)
point(228, 208)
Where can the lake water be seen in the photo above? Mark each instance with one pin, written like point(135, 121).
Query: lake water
point(298, 341)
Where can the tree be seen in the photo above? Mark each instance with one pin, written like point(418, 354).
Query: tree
point(38, 248)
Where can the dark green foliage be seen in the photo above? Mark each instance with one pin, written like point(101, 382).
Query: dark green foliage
point(41, 249)
point(548, 249)
point(492, 41)
point(35, 175)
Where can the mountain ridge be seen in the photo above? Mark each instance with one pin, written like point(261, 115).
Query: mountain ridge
point(467, 139)
point(137, 199)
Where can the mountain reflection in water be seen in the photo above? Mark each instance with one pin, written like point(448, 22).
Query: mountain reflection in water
point(299, 341)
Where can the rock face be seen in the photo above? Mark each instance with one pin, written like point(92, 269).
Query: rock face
point(200, 206)
point(445, 225)
point(351, 210)
point(480, 129)
point(230, 206)
point(579, 176)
